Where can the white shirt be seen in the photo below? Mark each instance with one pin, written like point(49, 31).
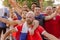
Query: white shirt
point(25, 28)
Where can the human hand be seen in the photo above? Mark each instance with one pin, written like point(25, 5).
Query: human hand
point(31, 32)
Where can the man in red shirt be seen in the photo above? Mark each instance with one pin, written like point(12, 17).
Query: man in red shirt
point(52, 25)
point(28, 26)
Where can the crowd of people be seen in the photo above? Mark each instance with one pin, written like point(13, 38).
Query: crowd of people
point(22, 23)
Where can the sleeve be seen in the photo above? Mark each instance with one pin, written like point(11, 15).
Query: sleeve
point(41, 30)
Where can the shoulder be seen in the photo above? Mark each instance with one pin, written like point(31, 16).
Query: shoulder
point(40, 28)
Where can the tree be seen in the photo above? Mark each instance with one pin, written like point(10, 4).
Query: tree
point(20, 2)
point(29, 2)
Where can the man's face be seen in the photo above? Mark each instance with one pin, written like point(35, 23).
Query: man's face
point(54, 9)
point(33, 6)
point(24, 7)
point(29, 18)
point(37, 10)
point(24, 14)
point(49, 10)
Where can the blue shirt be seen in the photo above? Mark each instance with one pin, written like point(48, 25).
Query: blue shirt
point(3, 25)
point(41, 19)
point(19, 17)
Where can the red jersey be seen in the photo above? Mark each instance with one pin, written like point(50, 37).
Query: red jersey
point(52, 26)
point(36, 35)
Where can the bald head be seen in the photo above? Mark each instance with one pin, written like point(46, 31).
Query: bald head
point(49, 7)
point(49, 10)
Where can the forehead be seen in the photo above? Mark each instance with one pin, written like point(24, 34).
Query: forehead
point(34, 4)
point(24, 11)
point(37, 8)
point(25, 6)
point(48, 8)
point(29, 15)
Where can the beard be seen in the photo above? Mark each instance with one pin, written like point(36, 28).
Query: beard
point(29, 22)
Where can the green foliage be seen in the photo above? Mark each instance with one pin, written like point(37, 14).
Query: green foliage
point(6, 2)
point(29, 2)
point(47, 3)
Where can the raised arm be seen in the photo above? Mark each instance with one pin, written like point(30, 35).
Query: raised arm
point(41, 4)
point(8, 22)
point(52, 15)
point(16, 7)
point(8, 33)
point(36, 24)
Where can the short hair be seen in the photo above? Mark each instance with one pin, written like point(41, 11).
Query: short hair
point(34, 3)
point(54, 7)
point(31, 12)
point(38, 6)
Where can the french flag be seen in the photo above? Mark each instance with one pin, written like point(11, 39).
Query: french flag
point(23, 35)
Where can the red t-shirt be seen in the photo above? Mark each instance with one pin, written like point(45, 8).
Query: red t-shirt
point(36, 35)
point(52, 26)
point(59, 25)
